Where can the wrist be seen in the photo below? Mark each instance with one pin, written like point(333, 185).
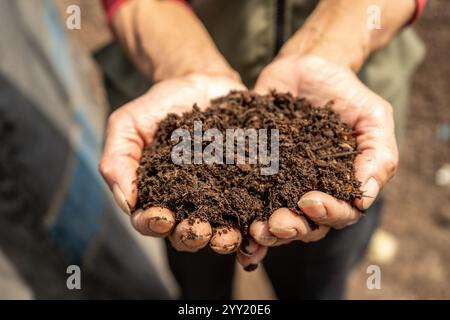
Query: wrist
point(336, 31)
point(345, 54)
point(186, 65)
point(163, 50)
point(339, 30)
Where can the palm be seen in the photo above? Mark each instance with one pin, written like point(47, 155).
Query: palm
point(174, 96)
point(132, 127)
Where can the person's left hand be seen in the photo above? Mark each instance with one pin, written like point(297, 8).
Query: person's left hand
point(371, 117)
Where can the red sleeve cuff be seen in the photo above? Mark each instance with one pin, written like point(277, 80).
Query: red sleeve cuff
point(420, 7)
point(111, 7)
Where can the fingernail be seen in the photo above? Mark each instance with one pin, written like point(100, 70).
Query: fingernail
point(284, 233)
point(267, 240)
point(189, 238)
point(193, 237)
point(120, 199)
point(160, 224)
point(319, 212)
point(243, 248)
point(225, 249)
point(370, 192)
point(251, 267)
point(263, 236)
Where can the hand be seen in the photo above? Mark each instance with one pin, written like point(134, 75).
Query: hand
point(132, 127)
point(371, 117)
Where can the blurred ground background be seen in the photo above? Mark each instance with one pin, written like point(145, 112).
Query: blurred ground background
point(417, 212)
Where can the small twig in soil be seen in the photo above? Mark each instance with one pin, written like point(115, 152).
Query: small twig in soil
point(340, 154)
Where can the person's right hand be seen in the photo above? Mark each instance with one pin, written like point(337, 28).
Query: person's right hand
point(370, 116)
point(132, 127)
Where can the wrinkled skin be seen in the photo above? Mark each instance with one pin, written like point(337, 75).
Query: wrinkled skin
point(131, 127)
point(372, 119)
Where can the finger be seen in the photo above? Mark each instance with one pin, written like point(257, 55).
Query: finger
point(259, 230)
point(248, 246)
point(316, 234)
point(191, 236)
point(120, 159)
point(267, 81)
point(161, 220)
point(289, 226)
point(378, 159)
point(264, 85)
point(154, 222)
point(252, 256)
point(281, 242)
point(374, 168)
point(285, 224)
point(325, 209)
point(370, 116)
point(225, 240)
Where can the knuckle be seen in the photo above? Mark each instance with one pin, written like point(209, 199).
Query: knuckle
point(391, 163)
point(335, 214)
point(141, 232)
point(317, 237)
point(388, 109)
point(340, 226)
point(339, 218)
point(351, 215)
point(343, 220)
point(382, 111)
point(264, 76)
point(114, 118)
point(138, 228)
point(105, 168)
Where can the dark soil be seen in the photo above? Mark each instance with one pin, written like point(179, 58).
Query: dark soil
point(316, 152)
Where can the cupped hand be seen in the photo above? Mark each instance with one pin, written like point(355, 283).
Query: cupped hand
point(370, 116)
point(131, 128)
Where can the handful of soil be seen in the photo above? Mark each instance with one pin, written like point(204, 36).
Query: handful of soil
point(316, 151)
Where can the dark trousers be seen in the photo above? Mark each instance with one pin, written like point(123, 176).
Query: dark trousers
point(317, 270)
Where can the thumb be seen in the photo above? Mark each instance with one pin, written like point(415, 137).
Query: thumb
point(378, 159)
point(374, 168)
point(269, 79)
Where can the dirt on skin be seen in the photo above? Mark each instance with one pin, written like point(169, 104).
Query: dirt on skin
point(416, 210)
point(316, 152)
